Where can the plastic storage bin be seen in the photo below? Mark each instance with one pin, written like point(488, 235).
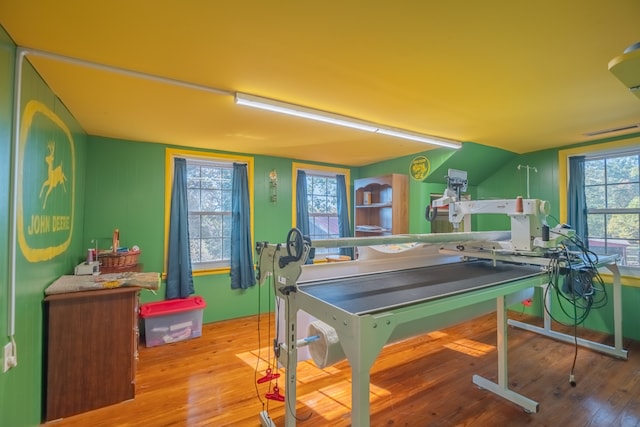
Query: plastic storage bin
point(172, 320)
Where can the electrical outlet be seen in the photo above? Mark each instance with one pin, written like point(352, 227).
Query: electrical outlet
point(8, 356)
point(10, 359)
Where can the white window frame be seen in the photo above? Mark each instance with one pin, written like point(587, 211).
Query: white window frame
point(203, 157)
point(224, 214)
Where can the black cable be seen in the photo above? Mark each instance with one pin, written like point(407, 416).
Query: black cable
point(592, 286)
point(585, 289)
point(572, 378)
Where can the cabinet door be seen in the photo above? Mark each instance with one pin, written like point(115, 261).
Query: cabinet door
point(90, 346)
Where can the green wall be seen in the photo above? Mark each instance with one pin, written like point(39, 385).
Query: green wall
point(126, 190)
point(48, 252)
point(477, 160)
point(7, 51)
point(419, 191)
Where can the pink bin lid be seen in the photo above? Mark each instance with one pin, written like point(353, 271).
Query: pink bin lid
point(172, 306)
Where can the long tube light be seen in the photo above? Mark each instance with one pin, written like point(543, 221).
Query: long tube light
point(337, 119)
point(300, 111)
point(399, 133)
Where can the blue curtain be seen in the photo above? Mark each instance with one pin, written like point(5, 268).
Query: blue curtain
point(302, 204)
point(302, 208)
point(242, 273)
point(343, 214)
point(577, 200)
point(179, 277)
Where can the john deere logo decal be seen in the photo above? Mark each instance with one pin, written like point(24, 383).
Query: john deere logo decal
point(46, 184)
point(55, 175)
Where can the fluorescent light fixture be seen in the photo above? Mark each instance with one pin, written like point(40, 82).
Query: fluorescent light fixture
point(399, 133)
point(300, 111)
point(337, 119)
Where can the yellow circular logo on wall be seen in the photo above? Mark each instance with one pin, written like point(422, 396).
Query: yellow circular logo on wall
point(419, 168)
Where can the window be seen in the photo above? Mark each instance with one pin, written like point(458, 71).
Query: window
point(323, 208)
point(612, 189)
point(612, 192)
point(209, 198)
point(322, 202)
point(209, 182)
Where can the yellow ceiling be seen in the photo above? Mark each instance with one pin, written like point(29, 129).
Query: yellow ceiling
point(520, 76)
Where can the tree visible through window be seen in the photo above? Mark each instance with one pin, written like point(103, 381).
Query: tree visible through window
point(323, 209)
point(612, 189)
point(209, 197)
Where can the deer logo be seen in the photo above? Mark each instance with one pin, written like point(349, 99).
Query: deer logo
point(55, 175)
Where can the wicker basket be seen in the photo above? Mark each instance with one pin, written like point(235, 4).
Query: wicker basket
point(118, 259)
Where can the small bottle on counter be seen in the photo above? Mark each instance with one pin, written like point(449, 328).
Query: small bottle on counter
point(116, 240)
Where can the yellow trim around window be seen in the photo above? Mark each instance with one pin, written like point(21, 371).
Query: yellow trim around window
point(632, 281)
point(563, 182)
point(563, 165)
point(295, 166)
point(172, 153)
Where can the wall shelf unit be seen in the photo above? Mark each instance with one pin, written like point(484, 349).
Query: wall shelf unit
point(381, 205)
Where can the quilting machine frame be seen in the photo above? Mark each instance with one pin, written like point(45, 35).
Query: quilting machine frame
point(528, 223)
point(363, 335)
point(608, 261)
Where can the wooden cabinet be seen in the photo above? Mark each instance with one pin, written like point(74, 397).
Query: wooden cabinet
point(91, 350)
point(381, 205)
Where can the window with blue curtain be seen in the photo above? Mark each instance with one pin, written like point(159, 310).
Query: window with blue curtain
point(209, 193)
point(322, 207)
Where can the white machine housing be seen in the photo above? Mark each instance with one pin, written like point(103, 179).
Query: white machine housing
point(528, 217)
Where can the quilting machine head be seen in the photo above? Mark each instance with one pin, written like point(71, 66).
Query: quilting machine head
point(283, 261)
point(529, 229)
point(456, 184)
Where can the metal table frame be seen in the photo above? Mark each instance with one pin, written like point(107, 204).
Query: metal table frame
point(609, 262)
point(616, 350)
point(363, 337)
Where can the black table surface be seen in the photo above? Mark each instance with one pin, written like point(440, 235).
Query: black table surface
point(371, 293)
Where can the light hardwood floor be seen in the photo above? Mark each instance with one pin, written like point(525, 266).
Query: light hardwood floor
point(422, 381)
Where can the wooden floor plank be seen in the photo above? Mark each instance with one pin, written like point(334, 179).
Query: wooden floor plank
point(422, 381)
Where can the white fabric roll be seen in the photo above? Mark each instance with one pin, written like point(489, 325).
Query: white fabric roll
point(327, 350)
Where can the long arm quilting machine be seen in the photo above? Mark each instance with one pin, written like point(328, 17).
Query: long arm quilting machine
point(385, 295)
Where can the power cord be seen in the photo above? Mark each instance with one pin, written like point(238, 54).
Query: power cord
point(583, 288)
point(572, 377)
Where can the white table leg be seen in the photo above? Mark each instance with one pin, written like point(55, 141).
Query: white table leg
point(502, 387)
